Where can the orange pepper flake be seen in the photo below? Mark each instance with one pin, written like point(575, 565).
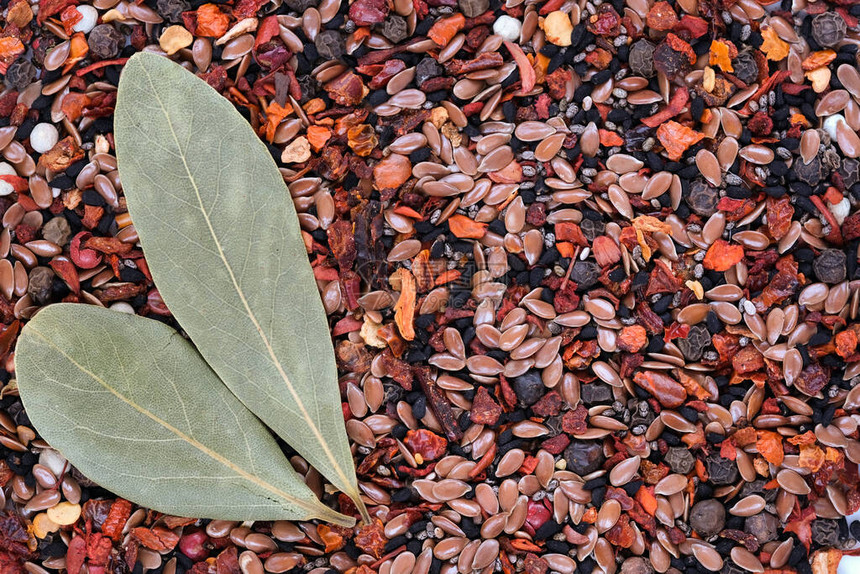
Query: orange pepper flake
point(77, 51)
point(334, 541)
point(769, 445)
point(404, 309)
point(645, 497)
point(11, 48)
point(846, 343)
point(314, 106)
point(275, 114)
point(318, 136)
point(590, 516)
point(773, 47)
point(811, 457)
point(74, 104)
point(211, 21)
point(721, 55)
point(609, 138)
point(466, 228)
point(392, 172)
point(677, 138)
point(818, 60)
point(445, 29)
point(722, 255)
point(632, 338)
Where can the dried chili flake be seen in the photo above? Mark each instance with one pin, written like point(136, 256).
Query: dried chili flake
point(670, 393)
point(773, 47)
point(721, 55)
point(722, 255)
point(211, 21)
point(444, 30)
point(426, 443)
point(769, 445)
point(119, 513)
point(779, 215)
point(606, 22)
point(371, 538)
point(661, 16)
point(527, 72)
point(157, 538)
point(466, 228)
point(485, 410)
point(76, 554)
point(677, 138)
point(632, 338)
point(574, 422)
point(677, 102)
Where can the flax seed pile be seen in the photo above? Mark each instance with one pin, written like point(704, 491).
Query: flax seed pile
point(591, 270)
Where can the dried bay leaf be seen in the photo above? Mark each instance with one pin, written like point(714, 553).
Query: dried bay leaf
point(223, 243)
point(135, 408)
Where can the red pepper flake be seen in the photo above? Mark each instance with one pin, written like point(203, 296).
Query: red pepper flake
point(661, 17)
point(574, 422)
point(466, 228)
point(446, 28)
point(157, 538)
point(211, 21)
point(677, 138)
point(426, 443)
point(670, 393)
point(119, 512)
point(485, 410)
point(371, 538)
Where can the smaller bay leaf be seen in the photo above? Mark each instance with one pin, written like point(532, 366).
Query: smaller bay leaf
point(135, 408)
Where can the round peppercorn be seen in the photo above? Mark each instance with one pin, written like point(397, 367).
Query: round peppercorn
point(850, 172)
point(105, 41)
point(591, 228)
point(703, 198)
point(826, 532)
point(707, 517)
point(764, 526)
point(20, 74)
point(330, 44)
point(809, 173)
point(693, 345)
point(41, 284)
point(830, 266)
point(828, 29)
point(172, 10)
point(394, 28)
point(746, 69)
point(585, 274)
point(641, 58)
point(721, 470)
point(474, 8)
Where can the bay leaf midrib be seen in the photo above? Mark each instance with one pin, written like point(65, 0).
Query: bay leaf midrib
point(240, 293)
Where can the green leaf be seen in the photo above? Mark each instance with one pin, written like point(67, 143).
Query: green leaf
point(223, 243)
point(135, 408)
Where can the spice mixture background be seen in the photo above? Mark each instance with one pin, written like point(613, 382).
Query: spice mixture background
point(591, 270)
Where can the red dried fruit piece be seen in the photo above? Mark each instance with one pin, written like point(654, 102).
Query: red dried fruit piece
point(82, 257)
point(722, 255)
point(368, 12)
point(485, 410)
point(670, 393)
point(426, 443)
point(371, 538)
point(697, 27)
point(347, 89)
point(227, 561)
point(99, 548)
point(661, 17)
point(549, 405)
point(76, 554)
point(677, 138)
point(846, 343)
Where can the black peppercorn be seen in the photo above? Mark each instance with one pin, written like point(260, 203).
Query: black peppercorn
point(20, 74)
point(828, 29)
point(172, 10)
point(105, 42)
point(641, 58)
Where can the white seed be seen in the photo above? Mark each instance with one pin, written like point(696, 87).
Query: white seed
point(88, 22)
point(508, 28)
point(44, 137)
point(5, 187)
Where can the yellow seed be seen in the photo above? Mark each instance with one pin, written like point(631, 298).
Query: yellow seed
point(370, 334)
point(42, 525)
point(298, 151)
point(65, 513)
point(557, 27)
point(709, 79)
point(820, 79)
point(696, 288)
point(419, 459)
point(174, 39)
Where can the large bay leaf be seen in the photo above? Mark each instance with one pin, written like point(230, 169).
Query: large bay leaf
point(223, 242)
point(134, 406)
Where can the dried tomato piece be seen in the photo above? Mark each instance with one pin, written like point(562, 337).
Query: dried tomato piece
point(677, 138)
point(485, 410)
point(779, 215)
point(156, 538)
point(371, 538)
point(722, 255)
point(119, 512)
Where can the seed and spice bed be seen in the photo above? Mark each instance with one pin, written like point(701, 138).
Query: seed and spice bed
point(589, 270)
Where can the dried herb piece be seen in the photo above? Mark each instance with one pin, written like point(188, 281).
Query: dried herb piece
point(211, 457)
point(261, 294)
